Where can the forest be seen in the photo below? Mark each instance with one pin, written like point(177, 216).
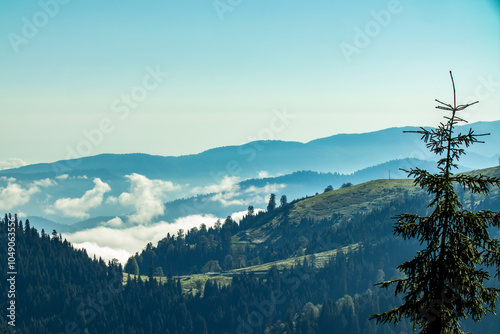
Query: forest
point(62, 290)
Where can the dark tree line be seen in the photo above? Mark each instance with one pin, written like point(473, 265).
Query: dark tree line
point(189, 252)
point(62, 290)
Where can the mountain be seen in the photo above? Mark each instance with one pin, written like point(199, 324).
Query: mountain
point(357, 214)
point(295, 185)
point(317, 230)
point(304, 267)
point(343, 153)
point(206, 183)
point(240, 196)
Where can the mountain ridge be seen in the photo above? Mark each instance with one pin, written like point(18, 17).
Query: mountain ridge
point(340, 153)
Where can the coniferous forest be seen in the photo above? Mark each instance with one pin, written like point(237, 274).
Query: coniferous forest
point(62, 290)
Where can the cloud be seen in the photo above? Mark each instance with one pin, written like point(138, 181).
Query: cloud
point(12, 163)
point(13, 195)
point(237, 216)
point(109, 242)
point(106, 253)
point(228, 184)
point(263, 174)
point(115, 222)
point(229, 192)
point(45, 183)
point(66, 177)
point(226, 199)
point(224, 192)
point(21, 214)
point(78, 207)
point(146, 196)
point(267, 189)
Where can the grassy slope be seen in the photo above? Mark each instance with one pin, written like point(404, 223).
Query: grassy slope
point(321, 259)
point(348, 201)
point(493, 171)
point(361, 198)
point(344, 202)
point(364, 197)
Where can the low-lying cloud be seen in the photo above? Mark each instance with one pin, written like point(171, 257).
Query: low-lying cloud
point(12, 163)
point(108, 242)
point(229, 192)
point(14, 194)
point(44, 183)
point(67, 177)
point(79, 207)
point(227, 199)
point(269, 188)
point(228, 184)
point(146, 196)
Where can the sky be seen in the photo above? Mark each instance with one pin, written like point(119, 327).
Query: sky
point(81, 78)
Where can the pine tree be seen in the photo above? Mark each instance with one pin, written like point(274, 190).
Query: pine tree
point(131, 266)
point(271, 205)
point(250, 211)
point(445, 281)
point(283, 201)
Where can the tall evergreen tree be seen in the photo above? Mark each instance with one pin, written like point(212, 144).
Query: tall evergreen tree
point(445, 281)
point(250, 211)
point(131, 266)
point(271, 205)
point(283, 201)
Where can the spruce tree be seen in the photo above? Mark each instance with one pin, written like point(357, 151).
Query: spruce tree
point(271, 205)
point(445, 281)
point(131, 266)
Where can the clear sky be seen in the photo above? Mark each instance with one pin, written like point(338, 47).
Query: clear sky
point(89, 77)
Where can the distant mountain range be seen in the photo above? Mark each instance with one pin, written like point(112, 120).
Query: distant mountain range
point(228, 179)
point(342, 153)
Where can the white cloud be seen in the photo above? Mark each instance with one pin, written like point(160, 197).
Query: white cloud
point(237, 216)
point(50, 211)
point(226, 199)
point(228, 184)
point(146, 196)
point(112, 200)
point(13, 195)
point(224, 192)
point(45, 183)
point(267, 189)
point(8, 179)
point(78, 207)
point(115, 222)
point(109, 242)
point(66, 177)
point(106, 253)
point(263, 174)
point(12, 163)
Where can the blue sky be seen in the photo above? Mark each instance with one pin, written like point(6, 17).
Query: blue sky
point(233, 67)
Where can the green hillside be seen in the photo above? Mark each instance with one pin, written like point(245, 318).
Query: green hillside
point(348, 201)
point(334, 206)
point(364, 197)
